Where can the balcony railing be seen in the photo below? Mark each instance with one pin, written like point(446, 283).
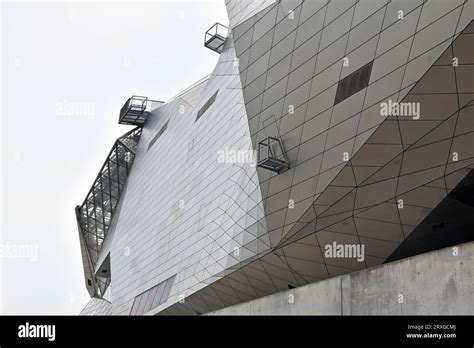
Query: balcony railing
point(133, 111)
point(271, 155)
point(215, 37)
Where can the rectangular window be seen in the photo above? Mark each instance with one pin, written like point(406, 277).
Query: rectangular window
point(160, 132)
point(136, 303)
point(207, 105)
point(158, 294)
point(153, 297)
point(353, 83)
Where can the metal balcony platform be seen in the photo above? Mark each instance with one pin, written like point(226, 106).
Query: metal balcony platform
point(134, 111)
point(271, 155)
point(215, 37)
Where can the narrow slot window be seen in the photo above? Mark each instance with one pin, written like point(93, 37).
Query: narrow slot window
point(207, 105)
point(160, 132)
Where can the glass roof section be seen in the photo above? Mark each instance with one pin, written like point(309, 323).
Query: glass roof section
point(95, 214)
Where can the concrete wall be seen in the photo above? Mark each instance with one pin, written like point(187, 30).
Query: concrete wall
point(439, 282)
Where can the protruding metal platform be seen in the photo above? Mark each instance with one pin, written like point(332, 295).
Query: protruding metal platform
point(134, 111)
point(215, 37)
point(271, 155)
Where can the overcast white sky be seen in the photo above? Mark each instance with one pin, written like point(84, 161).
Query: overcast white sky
point(66, 70)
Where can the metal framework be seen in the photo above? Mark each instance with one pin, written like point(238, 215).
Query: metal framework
point(95, 214)
point(271, 155)
point(134, 111)
point(215, 37)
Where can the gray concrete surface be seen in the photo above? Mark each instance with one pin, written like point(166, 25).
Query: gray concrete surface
point(439, 282)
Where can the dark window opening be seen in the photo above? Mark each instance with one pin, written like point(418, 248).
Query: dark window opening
point(353, 83)
point(438, 226)
point(207, 105)
point(160, 132)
